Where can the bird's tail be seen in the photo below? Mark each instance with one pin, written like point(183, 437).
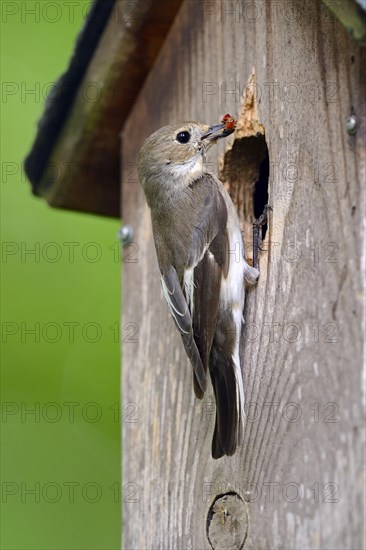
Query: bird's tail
point(228, 388)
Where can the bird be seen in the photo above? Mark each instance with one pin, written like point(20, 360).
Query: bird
point(201, 257)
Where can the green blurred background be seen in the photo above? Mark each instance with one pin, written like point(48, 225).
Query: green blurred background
point(60, 467)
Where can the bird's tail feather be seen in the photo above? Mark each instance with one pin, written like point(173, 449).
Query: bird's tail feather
point(229, 395)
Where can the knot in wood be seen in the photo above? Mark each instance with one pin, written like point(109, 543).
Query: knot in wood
point(227, 522)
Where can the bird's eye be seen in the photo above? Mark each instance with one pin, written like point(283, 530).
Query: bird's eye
point(183, 137)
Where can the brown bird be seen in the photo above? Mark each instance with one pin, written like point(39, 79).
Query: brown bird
point(200, 252)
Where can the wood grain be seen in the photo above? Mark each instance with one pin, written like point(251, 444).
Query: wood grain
point(83, 170)
point(300, 468)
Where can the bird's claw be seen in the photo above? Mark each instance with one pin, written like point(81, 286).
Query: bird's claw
point(257, 234)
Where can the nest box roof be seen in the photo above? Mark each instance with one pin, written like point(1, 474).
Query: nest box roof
point(74, 162)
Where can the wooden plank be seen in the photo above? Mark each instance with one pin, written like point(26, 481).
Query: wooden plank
point(352, 14)
point(83, 171)
point(298, 475)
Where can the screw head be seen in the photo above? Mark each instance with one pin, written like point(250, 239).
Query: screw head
point(125, 234)
point(351, 124)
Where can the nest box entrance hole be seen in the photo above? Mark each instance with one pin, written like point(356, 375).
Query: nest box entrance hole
point(245, 172)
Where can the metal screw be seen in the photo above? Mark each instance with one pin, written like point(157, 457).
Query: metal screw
point(125, 234)
point(351, 124)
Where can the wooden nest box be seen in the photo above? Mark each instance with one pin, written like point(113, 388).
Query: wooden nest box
point(294, 74)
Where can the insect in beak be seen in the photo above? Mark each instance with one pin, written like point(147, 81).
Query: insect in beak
point(216, 132)
point(227, 127)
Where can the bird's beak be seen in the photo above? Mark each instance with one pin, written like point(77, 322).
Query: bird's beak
point(216, 132)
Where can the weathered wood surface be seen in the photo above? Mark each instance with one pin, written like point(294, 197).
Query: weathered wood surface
point(300, 468)
point(83, 169)
point(352, 14)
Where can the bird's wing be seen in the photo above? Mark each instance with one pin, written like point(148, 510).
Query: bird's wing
point(209, 255)
point(211, 237)
point(179, 309)
point(193, 293)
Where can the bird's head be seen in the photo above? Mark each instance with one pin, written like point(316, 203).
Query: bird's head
point(174, 155)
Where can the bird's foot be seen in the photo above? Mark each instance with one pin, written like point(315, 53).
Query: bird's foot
point(257, 234)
